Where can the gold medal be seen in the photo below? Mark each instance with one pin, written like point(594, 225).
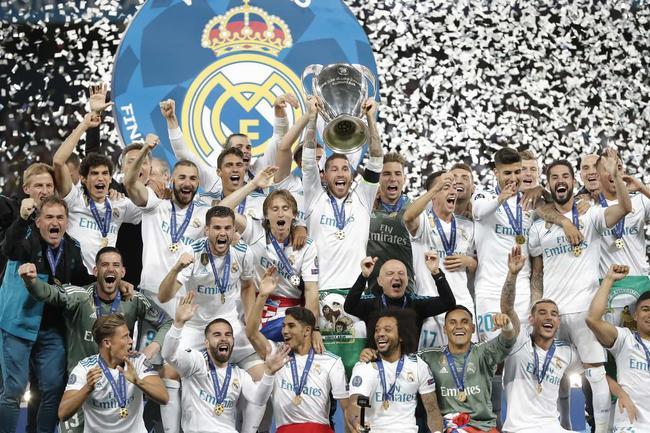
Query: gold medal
point(385, 405)
point(577, 250)
point(297, 400)
point(620, 243)
point(223, 298)
point(173, 247)
point(218, 409)
point(539, 388)
point(520, 239)
point(104, 243)
point(340, 235)
point(124, 412)
point(462, 396)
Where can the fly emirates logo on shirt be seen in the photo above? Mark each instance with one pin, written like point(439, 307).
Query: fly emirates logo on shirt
point(551, 376)
point(453, 392)
point(86, 223)
point(212, 400)
point(329, 221)
point(184, 239)
point(312, 391)
point(399, 396)
point(110, 402)
point(563, 247)
point(212, 290)
point(507, 230)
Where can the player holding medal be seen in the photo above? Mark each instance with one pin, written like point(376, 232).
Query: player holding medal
point(111, 384)
point(212, 385)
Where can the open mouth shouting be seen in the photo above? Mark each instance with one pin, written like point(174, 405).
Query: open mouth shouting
point(382, 344)
point(54, 232)
point(110, 279)
point(339, 185)
point(101, 188)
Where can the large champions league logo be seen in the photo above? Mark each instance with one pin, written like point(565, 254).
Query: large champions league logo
point(224, 63)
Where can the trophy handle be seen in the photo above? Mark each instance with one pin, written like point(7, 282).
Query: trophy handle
point(311, 69)
point(370, 77)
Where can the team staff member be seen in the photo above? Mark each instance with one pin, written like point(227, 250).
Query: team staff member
point(111, 384)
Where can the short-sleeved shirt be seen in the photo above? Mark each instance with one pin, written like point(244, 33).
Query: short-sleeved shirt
point(414, 378)
point(481, 366)
point(101, 408)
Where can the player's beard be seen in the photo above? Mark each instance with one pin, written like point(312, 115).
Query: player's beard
point(569, 195)
point(178, 198)
point(220, 357)
point(392, 347)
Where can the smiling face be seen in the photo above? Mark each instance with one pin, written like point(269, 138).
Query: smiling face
point(220, 233)
point(589, 173)
point(220, 341)
point(642, 317)
point(280, 215)
point(338, 176)
point(109, 272)
point(391, 182)
point(529, 174)
point(244, 144)
point(294, 333)
point(560, 182)
point(185, 182)
point(393, 278)
point(545, 320)
point(52, 222)
point(508, 174)
point(387, 337)
point(444, 201)
point(97, 182)
point(232, 172)
point(459, 327)
point(464, 183)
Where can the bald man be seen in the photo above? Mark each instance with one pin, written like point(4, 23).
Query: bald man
point(391, 292)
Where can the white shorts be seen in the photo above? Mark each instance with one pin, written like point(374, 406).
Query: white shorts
point(489, 305)
point(243, 354)
point(433, 333)
point(574, 330)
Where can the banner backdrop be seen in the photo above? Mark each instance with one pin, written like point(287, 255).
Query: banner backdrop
point(224, 62)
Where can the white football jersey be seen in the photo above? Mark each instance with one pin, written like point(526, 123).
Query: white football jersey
point(199, 277)
point(528, 409)
point(414, 378)
point(561, 266)
point(101, 408)
point(326, 375)
point(83, 227)
point(633, 374)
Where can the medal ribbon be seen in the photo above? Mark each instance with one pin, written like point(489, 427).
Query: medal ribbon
point(574, 215)
point(219, 392)
point(388, 395)
point(114, 306)
point(242, 206)
point(448, 244)
point(280, 252)
point(175, 232)
point(104, 224)
point(298, 386)
point(390, 208)
point(620, 226)
point(119, 388)
point(339, 214)
point(385, 303)
point(540, 375)
point(515, 223)
point(52, 260)
point(639, 340)
point(222, 284)
point(459, 379)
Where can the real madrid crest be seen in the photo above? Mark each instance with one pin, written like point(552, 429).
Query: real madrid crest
point(116, 213)
point(196, 223)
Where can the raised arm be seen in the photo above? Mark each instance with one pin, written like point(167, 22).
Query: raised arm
point(284, 156)
point(412, 213)
point(516, 262)
point(353, 303)
point(170, 284)
point(258, 340)
point(16, 245)
point(481, 207)
point(605, 332)
point(624, 206)
point(183, 361)
point(40, 290)
point(635, 185)
point(374, 142)
point(536, 279)
point(136, 190)
point(429, 306)
point(62, 178)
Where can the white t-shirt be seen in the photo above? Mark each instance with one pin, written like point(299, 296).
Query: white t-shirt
point(82, 225)
point(198, 397)
point(633, 374)
point(414, 378)
point(339, 266)
point(199, 277)
point(569, 280)
point(304, 262)
point(101, 408)
point(526, 408)
point(157, 260)
point(634, 253)
point(326, 374)
point(494, 238)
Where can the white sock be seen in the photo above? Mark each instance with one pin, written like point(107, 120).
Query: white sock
point(564, 402)
point(600, 397)
point(170, 413)
point(253, 414)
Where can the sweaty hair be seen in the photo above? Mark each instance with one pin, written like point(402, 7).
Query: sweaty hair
point(184, 163)
point(229, 151)
point(93, 160)
point(431, 179)
point(107, 250)
point(533, 308)
point(335, 156)
point(557, 162)
point(219, 212)
point(217, 320)
point(105, 326)
point(36, 169)
point(406, 328)
point(53, 201)
point(394, 157)
point(459, 307)
point(302, 315)
point(505, 156)
point(230, 137)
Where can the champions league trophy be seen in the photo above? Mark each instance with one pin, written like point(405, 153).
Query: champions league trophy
point(343, 88)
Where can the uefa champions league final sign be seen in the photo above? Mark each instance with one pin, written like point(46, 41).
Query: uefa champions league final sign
point(224, 63)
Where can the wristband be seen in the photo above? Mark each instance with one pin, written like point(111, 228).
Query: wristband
point(508, 327)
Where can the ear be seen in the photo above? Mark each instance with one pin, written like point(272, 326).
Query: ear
point(205, 231)
point(26, 189)
point(472, 327)
point(530, 320)
point(123, 272)
point(95, 271)
point(218, 172)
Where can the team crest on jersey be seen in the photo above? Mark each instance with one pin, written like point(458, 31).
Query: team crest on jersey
point(558, 362)
point(409, 376)
point(316, 368)
point(234, 267)
point(196, 222)
point(116, 213)
point(235, 383)
point(225, 62)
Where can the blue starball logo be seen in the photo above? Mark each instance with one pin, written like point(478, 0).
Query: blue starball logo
point(224, 63)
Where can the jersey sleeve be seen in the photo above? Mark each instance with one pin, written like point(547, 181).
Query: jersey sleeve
point(77, 378)
point(67, 297)
point(367, 191)
point(186, 362)
point(248, 265)
point(483, 204)
point(645, 202)
point(207, 174)
point(251, 232)
point(153, 201)
point(621, 335)
point(423, 225)
point(256, 392)
point(310, 177)
point(150, 312)
point(426, 382)
point(364, 379)
point(337, 379)
point(184, 276)
point(74, 199)
point(309, 268)
point(132, 213)
point(534, 241)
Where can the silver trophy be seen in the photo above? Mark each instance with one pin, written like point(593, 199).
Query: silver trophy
point(343, 88)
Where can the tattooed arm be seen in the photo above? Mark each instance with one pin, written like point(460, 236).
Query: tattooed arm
point(516, 261)
point(550, 214)
point(434, 418)
point(536, 279)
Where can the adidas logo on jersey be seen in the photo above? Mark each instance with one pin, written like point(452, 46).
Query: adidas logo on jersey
point(443, 370)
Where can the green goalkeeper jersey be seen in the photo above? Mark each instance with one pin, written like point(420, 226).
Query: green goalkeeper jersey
point(80, 313)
